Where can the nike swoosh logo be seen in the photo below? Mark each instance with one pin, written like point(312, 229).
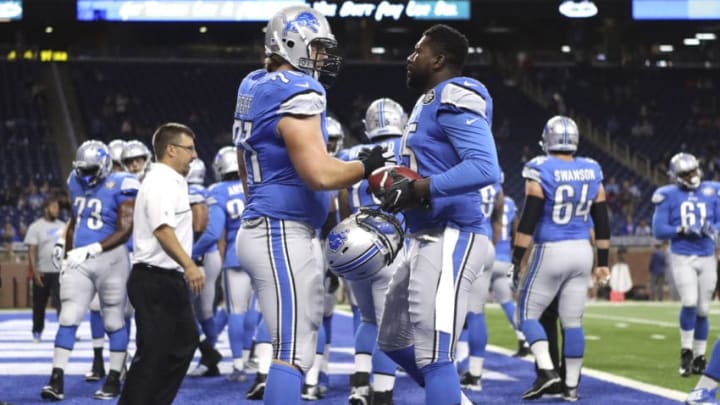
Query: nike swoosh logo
point(304, 85)
point(467, 83)
point(471, 121)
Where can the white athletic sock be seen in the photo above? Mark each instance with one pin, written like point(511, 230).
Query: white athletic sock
point(476, 365)
point(542, 354)
point(519, 334)
point(706, 382)
point(116, 360)
point(686, 338)
point(60, 357)
point(264, 353)
point(699, 347)
point(572, 371)
point(98, 343)
point(311, 377)
point(363, 363)
point(462, 350)
point(238, 363)
point(383, 382)
point(245, 356)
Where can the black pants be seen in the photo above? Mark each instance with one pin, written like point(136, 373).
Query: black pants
point(166, 336)
point(49, 289)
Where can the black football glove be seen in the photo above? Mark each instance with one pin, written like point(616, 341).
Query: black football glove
point(401, 195)
point(375, 158)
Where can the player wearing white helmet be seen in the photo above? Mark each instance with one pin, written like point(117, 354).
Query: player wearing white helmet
point(687, 213)
point(98, 261)
point(136, 158)
point(281, 132)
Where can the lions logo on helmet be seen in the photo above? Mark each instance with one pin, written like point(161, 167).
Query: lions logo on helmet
point(363, 244)
point(684, 170)
point(384, 117)
point(92, 162)
point(294, 32)
point(560, 135)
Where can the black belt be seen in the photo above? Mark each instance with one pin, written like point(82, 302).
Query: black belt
point(159, 270)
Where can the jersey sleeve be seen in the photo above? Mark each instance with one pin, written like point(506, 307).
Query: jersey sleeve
point(299, 95)
point(661, 227)
point(213, 230)
point(457, 98)
point(532, 170)
point(31, 236)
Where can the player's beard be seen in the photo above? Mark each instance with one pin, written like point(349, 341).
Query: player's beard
point(416, 79)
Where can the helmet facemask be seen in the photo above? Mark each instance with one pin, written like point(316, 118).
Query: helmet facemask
point(322, 64)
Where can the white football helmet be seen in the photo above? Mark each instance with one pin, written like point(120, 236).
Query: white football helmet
point(292, 34)
point(560, 134)
point(134, 149)
point(92, 162)
point(116, 149)
point(384, 117)
point(225, 162)
point(336, 135)
point(684, 170)
point(363, 244)
point(196, 174)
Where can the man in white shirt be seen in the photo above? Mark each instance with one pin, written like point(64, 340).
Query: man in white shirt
point(162, 272)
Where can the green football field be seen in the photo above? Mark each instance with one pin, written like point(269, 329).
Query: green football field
point(634, 340)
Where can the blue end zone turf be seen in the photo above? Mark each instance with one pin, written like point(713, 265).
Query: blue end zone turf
point(25, 368)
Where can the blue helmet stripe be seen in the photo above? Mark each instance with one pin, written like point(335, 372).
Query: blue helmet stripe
point(381, 117)
point(357, 262)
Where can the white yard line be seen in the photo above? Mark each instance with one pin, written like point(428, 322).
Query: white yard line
point(615, 379)
point(627, 319)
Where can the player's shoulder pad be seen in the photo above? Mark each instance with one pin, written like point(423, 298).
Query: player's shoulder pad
point(466, 94)
point(594, 165)
point(532, 168)
point(70, 178)
point(343, 155)
point(662, 193)
point(127, 183)
point(298, 93)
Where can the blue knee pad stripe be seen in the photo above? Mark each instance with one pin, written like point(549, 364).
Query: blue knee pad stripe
point(119, 340)
point(442, 386)
point(97, 328)
point(702, 328)
point(574, 342)
point(478, 334)
point(527, 286)
point(688, 316)
point(442, 347)
point(236, 330)
point(533, 331)
point(65, 337)
point(285, 290)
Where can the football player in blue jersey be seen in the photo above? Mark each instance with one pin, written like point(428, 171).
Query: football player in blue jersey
point(501, 210)
point(688, 214)
point(564, 199)
point(211, 263)
point(281, 136)
point(97, 262)
point(448, 141)
point(97, 329)
point(384, 122)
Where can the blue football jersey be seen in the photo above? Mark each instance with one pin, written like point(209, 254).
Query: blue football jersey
point(359, 194)
point(198, 194)
point(276, 189)
point(226, 203)
point(569, 188)
point(448, 139)
point(488, 197)
point(502, 248)
point(95, 209)
point(675, 207)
